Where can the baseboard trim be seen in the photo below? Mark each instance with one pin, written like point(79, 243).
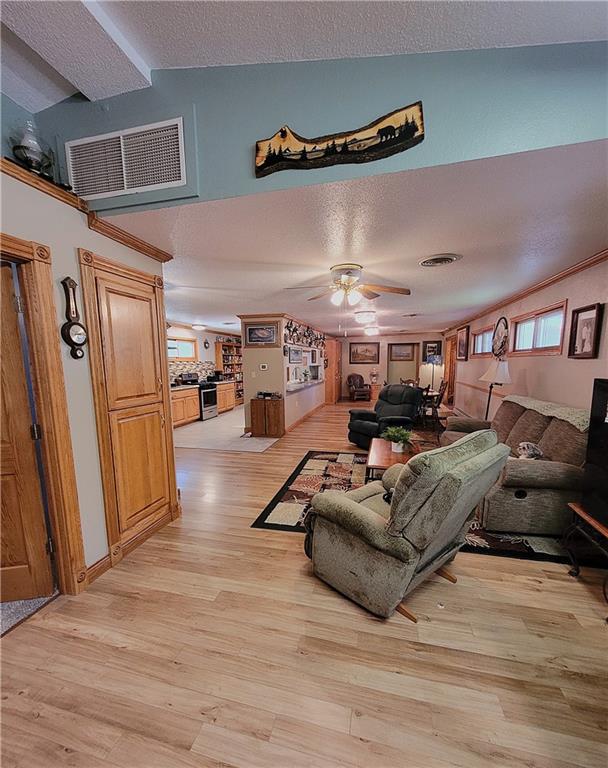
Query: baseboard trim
point(101, 566)
point(140, 537)
point(306, 416)
point(97, 569)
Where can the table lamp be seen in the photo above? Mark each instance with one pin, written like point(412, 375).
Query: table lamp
point(434, 360)
point(497, 375)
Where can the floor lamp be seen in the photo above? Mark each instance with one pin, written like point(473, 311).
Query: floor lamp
point(497, 375)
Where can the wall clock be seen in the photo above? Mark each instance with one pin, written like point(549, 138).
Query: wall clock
point(73, 331)
point(500, 337)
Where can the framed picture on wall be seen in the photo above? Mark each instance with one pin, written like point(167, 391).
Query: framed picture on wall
point(585, 332)
point(295, 355)
point(401, 353)
point(364, 353)
point(462, 343)
point(261, 334)
point(430, 348)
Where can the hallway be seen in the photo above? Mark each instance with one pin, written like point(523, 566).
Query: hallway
point(212, 645)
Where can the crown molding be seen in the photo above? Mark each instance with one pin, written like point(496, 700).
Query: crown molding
point(42, 185)
point(106, 228)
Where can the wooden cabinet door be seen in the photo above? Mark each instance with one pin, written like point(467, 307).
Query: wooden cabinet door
point(192, 409)
point(140, 465)
point(178, 411)
point(25, 565)
point(129, 335)
point(221, 400)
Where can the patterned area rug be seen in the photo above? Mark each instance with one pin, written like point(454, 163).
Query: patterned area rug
point(318, 471)
point(329, 470)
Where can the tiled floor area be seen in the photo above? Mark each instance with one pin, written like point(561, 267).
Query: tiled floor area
point(224, 433)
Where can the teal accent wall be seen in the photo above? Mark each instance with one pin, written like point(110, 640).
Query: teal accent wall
point(476, 104)
point(12, 118)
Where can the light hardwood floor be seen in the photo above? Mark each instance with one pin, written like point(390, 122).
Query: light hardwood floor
point(212, 646)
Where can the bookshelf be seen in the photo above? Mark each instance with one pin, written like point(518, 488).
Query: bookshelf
point(229, 360)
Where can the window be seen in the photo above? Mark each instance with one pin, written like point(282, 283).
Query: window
point(540, 331)
point(482, 342)
point(181, 349)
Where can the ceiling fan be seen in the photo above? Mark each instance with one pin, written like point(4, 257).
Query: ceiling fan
point(346, 284)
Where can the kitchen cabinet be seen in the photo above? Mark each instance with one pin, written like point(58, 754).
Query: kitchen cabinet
point(226, 396)
point(185, 406)
point(267, 417)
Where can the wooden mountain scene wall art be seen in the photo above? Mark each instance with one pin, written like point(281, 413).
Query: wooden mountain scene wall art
point(392, 133)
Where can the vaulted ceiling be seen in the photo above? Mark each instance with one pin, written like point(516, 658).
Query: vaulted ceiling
point(53, 49)
point(515, 220)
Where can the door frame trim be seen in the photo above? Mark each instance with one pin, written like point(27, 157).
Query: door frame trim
point(91, 264)
point(34, 260)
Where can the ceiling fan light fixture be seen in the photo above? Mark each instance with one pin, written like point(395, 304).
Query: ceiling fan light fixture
point(365, 316)
point(337, 297)
point(353, 297)
point(198, 327)
point(371, 330)
point(440, 260)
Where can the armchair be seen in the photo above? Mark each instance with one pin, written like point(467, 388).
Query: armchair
point(397, 406)
point(357, 388)
point(376, 552)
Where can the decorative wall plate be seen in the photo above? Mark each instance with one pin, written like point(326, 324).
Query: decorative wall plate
point(500, 337)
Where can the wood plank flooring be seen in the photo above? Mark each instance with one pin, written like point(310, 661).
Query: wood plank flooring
point(213, 646)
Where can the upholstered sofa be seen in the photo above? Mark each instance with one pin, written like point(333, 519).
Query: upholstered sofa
point(532, 495)
point(375, 552)
point(397, 406)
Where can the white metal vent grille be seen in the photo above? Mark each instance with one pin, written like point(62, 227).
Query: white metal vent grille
point(135, 160)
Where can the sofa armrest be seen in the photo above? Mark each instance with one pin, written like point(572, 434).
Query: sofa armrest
point(466, 424)
point(391, 475)
point(361, 415)
point(395, 421)
point(360, 521)
point(534, 473)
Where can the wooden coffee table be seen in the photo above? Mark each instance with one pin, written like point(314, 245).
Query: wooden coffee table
point(381, 456)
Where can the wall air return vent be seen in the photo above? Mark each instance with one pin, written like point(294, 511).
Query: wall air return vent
point(134, 160)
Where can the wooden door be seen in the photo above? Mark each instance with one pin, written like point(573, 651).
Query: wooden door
point(133, 403)
point(128, 317)
point(140, 461)
point(24, 564)
point(449, 371)
point(333, 374)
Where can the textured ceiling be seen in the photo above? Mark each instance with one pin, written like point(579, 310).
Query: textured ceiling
point(199, 34)
point(515, 219)
point(106, 48)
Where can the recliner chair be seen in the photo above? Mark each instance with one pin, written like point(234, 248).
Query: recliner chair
point(375, 552)
point(397, 406)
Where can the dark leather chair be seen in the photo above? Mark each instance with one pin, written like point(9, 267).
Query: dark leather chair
point(357, 387)
point(397, 406)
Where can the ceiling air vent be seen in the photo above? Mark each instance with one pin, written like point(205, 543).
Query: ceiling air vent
point(134, 160)
point(440, 260)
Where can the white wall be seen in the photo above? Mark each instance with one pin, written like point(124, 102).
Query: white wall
point(200, 336)
point(556, 378)
point(424, 371)
point(32, 215)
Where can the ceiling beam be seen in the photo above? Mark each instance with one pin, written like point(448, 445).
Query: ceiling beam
point(81, 43)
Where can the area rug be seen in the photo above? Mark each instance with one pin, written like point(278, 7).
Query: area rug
point(331, 470)
point(320, 471)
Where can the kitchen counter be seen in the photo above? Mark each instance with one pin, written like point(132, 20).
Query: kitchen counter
point(184, 386)
point(295, 386)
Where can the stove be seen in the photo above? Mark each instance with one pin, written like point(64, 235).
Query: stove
point(208, 397)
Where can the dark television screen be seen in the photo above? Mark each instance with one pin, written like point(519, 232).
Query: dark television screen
point(596, 467)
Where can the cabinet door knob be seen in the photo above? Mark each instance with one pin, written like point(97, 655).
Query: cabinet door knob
point(159, 384)
point(162, 420)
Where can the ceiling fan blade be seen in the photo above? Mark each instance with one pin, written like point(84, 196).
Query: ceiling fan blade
point(365, 291)
point(304, 287)
point(386, 289)
point(320, 295)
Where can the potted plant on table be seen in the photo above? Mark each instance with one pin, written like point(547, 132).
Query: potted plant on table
point(398, 437)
